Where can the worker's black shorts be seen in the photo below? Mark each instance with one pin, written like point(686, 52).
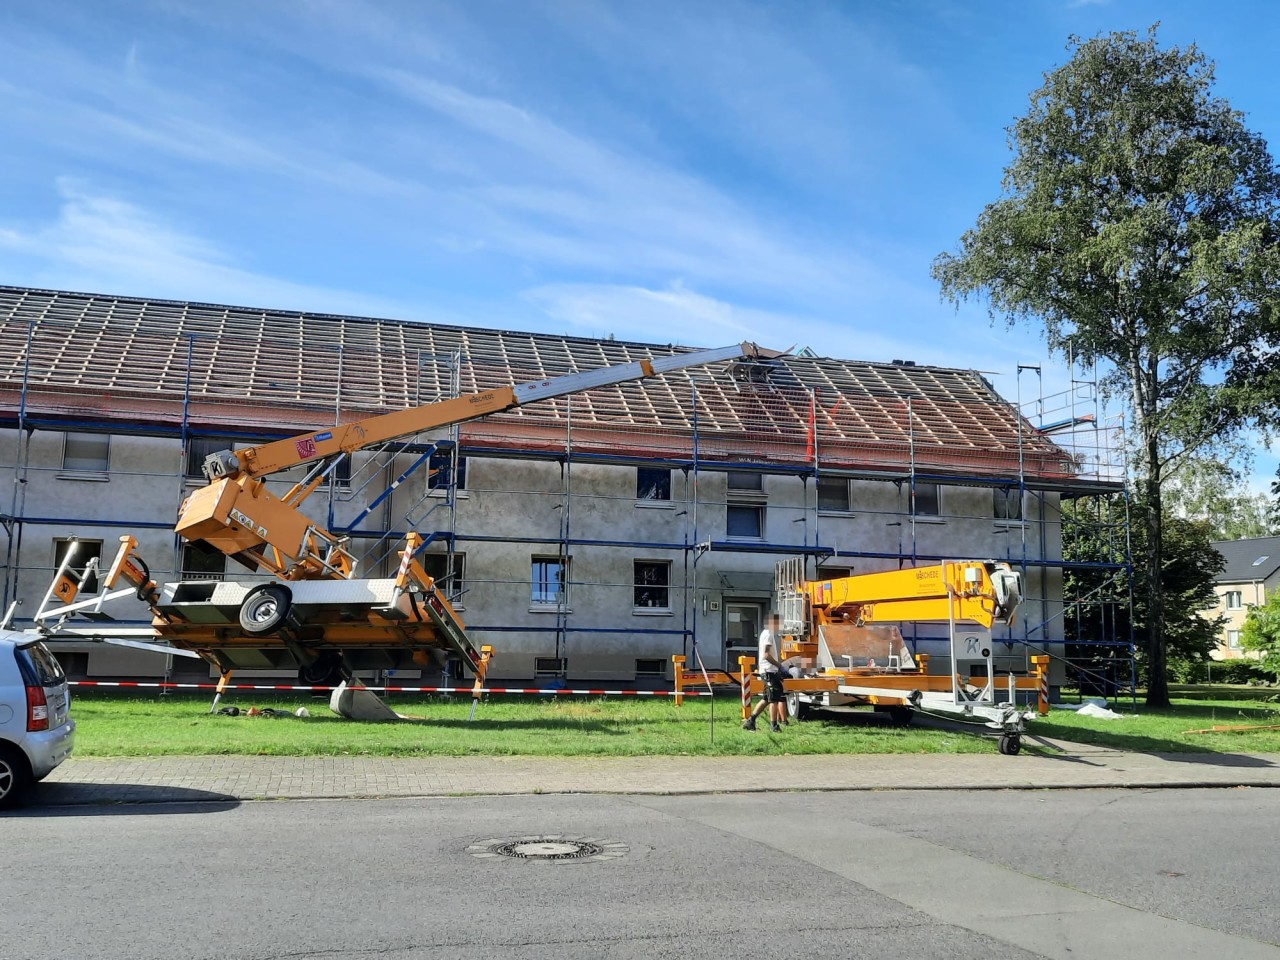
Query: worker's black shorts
point(773, 688)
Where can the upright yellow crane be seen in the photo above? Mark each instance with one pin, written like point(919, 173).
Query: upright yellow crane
point(842, 646)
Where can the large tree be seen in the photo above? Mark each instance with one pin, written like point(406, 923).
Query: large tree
point(1211, 489)
point(1098, 594)
point(1139, 226)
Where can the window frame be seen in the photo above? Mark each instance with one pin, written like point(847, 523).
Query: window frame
point(209, 445)
point(756, 484)
point(86, 473)
point(641, 486)
point(757, 508)
point(637, 586)
point(915, 500)
point(1007, 496)
point(1235, 640)
point(90, 585)
point(651, 674)
point(190, 572)
point(848, 495)
point(454, 585)
point(561, 600)
point(543, 669)
point(446, 455)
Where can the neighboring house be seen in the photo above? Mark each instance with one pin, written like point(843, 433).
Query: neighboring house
point(1251, 574)
point(589, 537)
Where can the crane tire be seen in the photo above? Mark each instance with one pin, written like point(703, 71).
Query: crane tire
point(265, 609)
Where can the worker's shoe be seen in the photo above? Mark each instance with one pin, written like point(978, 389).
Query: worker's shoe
point(749, 723)
point(777, 728)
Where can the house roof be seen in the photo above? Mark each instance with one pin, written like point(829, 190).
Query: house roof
point(1248, 560)
point(79, 357)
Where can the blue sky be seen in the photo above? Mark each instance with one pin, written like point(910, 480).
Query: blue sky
point(698, 173)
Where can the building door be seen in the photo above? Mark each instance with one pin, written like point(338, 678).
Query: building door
point(743, 620)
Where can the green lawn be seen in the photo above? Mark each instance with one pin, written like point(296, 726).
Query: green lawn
point(1168, 731)
point(113, 725)
point(118, 726)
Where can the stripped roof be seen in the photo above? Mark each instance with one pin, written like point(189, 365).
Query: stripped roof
point(77, 356)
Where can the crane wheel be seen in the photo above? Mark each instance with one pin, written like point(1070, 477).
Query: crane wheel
point(326, 670)
point(1010, 744)
point(900, 716)
point(797, 708)
point(265, 609)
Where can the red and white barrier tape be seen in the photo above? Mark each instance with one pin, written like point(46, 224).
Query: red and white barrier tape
point(136, 684)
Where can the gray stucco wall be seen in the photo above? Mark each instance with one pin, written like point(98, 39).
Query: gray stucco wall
point(512, 510)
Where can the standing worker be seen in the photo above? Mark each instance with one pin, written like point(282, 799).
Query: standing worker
point(770, 668)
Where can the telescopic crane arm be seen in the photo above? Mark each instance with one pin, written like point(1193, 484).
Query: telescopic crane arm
point(980, 592)
point(236, 513)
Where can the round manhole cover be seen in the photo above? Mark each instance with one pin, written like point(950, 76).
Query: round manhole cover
point(549, 848)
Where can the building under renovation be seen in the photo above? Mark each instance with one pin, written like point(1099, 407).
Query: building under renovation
point(587, 537)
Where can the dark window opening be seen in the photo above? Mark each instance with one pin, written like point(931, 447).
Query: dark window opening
point(744, 520)
point(653, 484)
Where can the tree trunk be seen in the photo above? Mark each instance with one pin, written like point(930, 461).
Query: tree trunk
point(1157, 673)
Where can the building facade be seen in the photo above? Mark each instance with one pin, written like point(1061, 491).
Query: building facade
point(1250, 576)
point(586, 538)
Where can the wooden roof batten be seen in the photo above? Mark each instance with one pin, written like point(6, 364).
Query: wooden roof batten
point(126, 358)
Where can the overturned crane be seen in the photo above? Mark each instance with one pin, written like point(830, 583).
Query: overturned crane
point(309, 610)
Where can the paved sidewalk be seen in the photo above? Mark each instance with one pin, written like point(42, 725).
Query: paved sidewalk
point(229, 779)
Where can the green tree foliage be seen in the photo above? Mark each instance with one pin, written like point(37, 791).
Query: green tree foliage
point(1189, 566)
point(1261, 632)
point(1139, 227)
point(1212, 490)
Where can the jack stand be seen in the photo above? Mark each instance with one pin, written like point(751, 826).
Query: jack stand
point(222, 685)
point(482, 668)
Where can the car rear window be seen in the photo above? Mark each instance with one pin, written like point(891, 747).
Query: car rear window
point(38, 665)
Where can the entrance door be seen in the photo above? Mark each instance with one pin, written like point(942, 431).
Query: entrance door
point(743, 620)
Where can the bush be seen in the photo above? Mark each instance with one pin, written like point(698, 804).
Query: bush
point(1226, 671)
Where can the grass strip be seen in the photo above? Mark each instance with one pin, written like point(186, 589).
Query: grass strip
point(120, 725)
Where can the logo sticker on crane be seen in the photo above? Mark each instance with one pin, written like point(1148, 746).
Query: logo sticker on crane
point(306, 447)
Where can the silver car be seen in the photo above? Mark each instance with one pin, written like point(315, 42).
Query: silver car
point(36, 729)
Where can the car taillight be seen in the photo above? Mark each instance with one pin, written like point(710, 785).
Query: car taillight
point(37, 710)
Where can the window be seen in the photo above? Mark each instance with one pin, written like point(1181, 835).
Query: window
point(927, 500)
point(1007, 503)
point(653, 484)
point(550, 666)
point(739, 480)
point(441, 467)
point(745, 521)
point(1261, 560)
point(1233, 639)
point(655, 667)
point(1235, 600)
point(86, 550)
point(342, 472)
point(448, 579)
point(202, 562)
point(86, 453)
point(834, 573)
point(550, 580)
point(197, 449)
point(653, 584)
point(833, 494)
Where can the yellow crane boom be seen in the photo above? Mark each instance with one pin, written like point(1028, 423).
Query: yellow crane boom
point(236, 513)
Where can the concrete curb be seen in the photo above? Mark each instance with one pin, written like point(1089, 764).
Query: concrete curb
point(86, 781)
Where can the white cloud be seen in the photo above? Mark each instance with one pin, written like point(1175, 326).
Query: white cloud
point(104, 244)
point(679, 314)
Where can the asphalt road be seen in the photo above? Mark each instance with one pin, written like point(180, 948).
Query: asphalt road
point(1018, 874)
